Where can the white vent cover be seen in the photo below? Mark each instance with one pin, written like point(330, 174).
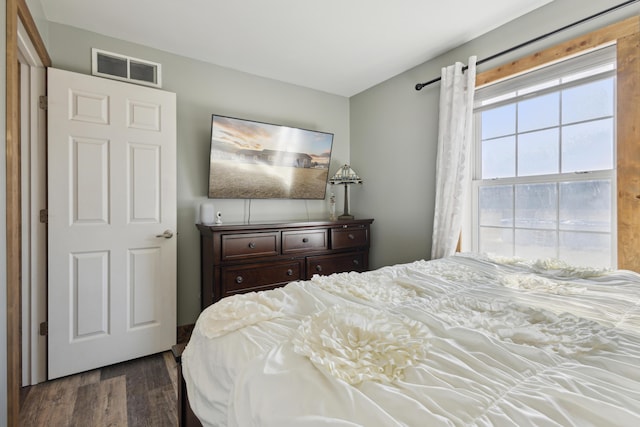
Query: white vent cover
point(126, 68)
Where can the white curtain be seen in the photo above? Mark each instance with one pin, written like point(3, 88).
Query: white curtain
point(453, 158)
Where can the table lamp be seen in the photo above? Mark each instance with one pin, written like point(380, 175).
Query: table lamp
point(345, 175)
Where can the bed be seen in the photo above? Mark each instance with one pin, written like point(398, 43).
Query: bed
point(469, 340)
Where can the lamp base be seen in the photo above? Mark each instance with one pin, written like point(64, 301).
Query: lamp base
point(346, 217)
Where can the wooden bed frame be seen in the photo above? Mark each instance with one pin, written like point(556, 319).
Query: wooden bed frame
point(186, 417)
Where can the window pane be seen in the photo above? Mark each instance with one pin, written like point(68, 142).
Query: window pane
point(497, 241)
point(586, 249)
point(536, 244)
point(587, 146)
point(588, 101)
point(585, 206)
point(144, 72)
point(499, 158)
point(495, 205)
point(538, 153)
point(499, 121)
point(539, 112)
point(112, 65)
point(536, 206)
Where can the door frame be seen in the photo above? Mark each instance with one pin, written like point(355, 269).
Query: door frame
point(16, 10)
point(33, 147)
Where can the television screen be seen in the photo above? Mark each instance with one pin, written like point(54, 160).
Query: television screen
point(254, 160)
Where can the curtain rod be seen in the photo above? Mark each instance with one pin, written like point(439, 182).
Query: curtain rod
point(419, 86)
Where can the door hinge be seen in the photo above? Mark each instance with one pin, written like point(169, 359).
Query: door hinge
point(44, 216)
point(44, 328)
point(42, 102)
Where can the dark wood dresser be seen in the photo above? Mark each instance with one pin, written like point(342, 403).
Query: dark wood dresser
point(240, 258)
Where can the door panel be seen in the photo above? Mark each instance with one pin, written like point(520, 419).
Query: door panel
point(90, 306)
point(89, 181)
point(112, 195)
point(143, 273)
point(144, 185)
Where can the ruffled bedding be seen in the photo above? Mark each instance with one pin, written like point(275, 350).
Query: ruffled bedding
point(237, 312)
point(356, 344)
point(464, 341)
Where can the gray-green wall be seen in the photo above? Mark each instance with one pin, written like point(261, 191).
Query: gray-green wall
point(203, 89)
point(394, 128)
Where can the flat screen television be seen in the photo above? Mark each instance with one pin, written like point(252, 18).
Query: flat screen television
point(255, 160)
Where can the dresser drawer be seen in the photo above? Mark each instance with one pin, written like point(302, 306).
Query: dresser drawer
point(349, 237)
point(329, 264)
point(250, 245)
point(254, 277)
point(296, 241)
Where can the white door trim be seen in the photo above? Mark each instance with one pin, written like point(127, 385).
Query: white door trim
point(33, 164)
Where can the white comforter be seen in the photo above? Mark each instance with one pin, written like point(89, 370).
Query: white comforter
point(463, 341)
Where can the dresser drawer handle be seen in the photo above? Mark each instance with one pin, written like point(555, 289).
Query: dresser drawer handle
point(252, 245)
point(318, 267)
point(305, 240)
point(351, 236)
point(239, 279)
point(356, 262)
point(289, 272)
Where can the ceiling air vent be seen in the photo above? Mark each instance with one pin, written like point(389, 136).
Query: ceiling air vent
point(126, 68)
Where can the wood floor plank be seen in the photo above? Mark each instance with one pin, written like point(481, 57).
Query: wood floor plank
point(52, 402)
point(101, 404)
point(141, 392)
point(155, 373)
point(142, 377)
point(172, 369)
point(163, 413)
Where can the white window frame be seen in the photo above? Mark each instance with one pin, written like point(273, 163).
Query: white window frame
point(494, 90)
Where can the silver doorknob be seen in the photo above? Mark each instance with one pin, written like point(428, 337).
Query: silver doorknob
point(167, 234)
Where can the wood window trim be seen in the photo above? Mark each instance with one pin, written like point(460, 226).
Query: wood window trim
point(626, 35)
point(15, 10)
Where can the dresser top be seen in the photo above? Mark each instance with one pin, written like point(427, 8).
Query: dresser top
point(262, 225)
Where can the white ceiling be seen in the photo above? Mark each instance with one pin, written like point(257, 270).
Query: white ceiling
point(337, 46)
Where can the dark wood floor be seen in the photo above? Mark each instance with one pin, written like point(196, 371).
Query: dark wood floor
point(139, 392)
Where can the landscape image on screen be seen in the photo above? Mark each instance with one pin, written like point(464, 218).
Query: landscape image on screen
point(254, 160)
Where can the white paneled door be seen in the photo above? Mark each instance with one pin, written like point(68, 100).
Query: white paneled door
point(112, 222)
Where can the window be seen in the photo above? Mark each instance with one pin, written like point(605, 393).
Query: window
point(544, 176)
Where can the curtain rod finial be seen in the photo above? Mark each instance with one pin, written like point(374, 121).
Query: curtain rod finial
point(419, 86)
